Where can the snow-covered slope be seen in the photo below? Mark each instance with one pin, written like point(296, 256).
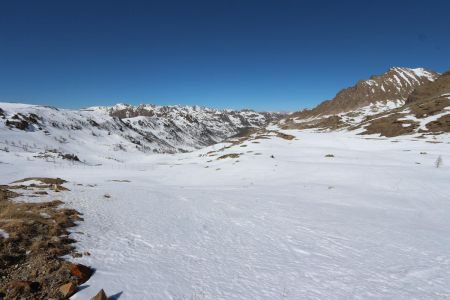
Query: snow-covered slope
point(190, 127)
point(320, 216)
point(109, 134)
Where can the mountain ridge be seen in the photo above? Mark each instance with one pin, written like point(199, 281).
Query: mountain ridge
point(162, 130)
point(395, 84)
point(364, 106)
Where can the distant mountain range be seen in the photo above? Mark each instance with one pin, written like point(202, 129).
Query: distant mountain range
point(400, 101)
point(53, 132)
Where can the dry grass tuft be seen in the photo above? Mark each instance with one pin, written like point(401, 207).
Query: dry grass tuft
point(44, 180)
point(231, 155)
point(31, 266)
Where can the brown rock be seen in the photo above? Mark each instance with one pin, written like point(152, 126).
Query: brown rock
point(68, 289)
point(100, 296)
point(82, 272)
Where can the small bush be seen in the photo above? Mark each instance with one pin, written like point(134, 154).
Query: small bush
point(439, 162)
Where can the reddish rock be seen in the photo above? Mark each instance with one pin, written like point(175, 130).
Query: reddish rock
point(68, 289)
point(100, 296)
point(82, 272)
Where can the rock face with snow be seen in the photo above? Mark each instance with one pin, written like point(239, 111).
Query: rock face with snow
point(432, 90)
point(394, 85)
point(186, 127)
point(50, 132)
point(427, 111)
point(365, 106)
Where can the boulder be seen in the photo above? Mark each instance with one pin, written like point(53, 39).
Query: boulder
point(82, 272)
point(100, 296)
point(68, 289)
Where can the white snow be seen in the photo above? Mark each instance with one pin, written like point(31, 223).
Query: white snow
point(372, 222)
point(398, 80)
point(358, 115)
point(92, 133)
point(424, 121)
point(421, 72)
point(4, 234)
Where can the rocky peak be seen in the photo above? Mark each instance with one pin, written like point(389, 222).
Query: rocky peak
point(394, 85)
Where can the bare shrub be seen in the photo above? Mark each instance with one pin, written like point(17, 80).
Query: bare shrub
point(439, 162)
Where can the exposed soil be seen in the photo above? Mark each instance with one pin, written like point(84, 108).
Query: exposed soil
point(31, 266)
point(231, 155)
point(252, 135)
point(390, 126)
point(429, 107)
point(440, 125)
point(332, 123)
point(391, 123)
point(285, 136)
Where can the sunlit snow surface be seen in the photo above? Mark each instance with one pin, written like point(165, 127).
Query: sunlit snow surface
point(371, 222)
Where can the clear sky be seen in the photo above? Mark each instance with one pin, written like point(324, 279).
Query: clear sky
point(266, 55)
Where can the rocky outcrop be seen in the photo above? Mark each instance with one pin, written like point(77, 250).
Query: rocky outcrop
point(81, 272)
point(101, 295)
point(67, 290)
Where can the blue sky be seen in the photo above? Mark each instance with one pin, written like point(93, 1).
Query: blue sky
point(266, 55)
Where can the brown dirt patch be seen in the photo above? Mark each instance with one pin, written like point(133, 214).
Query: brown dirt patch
point(31, 266)
point(285, 136)
point(440, 125)
point(332, 122)
point(429, 107)
point(44, 180)
point(231, 155)
point(390, 126)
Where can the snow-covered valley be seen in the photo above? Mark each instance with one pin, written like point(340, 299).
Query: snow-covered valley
point(322, 216)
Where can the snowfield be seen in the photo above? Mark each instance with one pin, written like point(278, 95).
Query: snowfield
point(370, 222)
